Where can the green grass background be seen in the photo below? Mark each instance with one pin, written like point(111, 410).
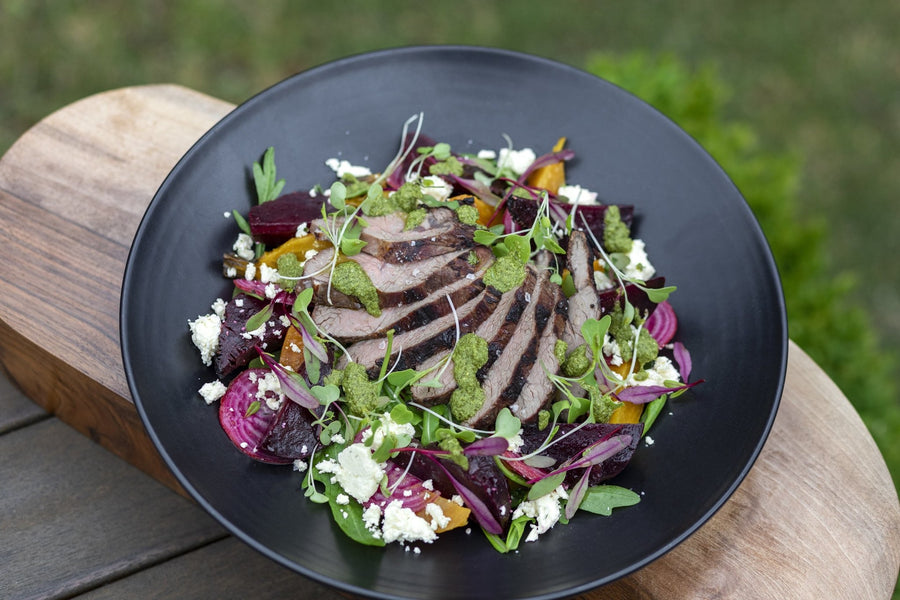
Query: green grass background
point(799, 101)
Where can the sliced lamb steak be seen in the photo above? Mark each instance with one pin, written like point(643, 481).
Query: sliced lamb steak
point(497, 330)
point(538, 390)
point(388, 239)
point(419, 344)
point(398, 284)
point(584, 304)
point(503, 382)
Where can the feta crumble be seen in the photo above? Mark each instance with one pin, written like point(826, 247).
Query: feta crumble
point(578, 195)
point(243, 247)
point(205, 335)
point(517, 161)
point(403, 525)
point(344, 167)
point(546, 510)
point(212, 391)
point(357, 472)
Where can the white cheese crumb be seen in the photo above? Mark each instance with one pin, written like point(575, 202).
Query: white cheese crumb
point(212, 391)
point(487, 154)
point(300, 465)
point(205, 335)
point(648, 440)
point(388, 427)
point(226, 214)
point(243, 247)
point(218, 307)
point(438, 519)
point(517, 161)
point(661, 371)
point(358, 473)
point(343, 167)
point(457, 499)
point(250, 271)
point(576, 194)
point(302, 230)
point(545, 509)
point(402, 524)
point(437, 188)
point(268, 390)
point(428, 485)
point(267, 274)
point(612, 350)
point(342, 499)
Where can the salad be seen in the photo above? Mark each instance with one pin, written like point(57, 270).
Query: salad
point(461, 341)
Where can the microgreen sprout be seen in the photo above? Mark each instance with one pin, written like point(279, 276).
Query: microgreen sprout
point(267, 186)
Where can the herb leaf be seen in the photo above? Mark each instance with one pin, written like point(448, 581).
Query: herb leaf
point(602, 499)
point(267, 187)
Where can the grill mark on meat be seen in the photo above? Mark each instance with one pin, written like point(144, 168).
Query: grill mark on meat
point(584, 304)
point(399, 284)
point(538, 390)
point(496, 331)
point(415, 345)
point(500, 383)
point(350, 325)
point(388, 239)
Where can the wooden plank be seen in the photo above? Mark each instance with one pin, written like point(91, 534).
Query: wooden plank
point(72, 192)
point(16, 410)
point(73, 516)
point(225, 569)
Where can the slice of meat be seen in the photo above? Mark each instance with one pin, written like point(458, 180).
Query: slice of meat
point(351, 325)
point(388, 239)
point(399, 284)
point(439, 335)
point(583, 305)
point(503, 382)
point(538, 391)
point(497, 330)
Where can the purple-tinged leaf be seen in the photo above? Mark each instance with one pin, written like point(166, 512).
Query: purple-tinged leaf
point(599, 452)
point(642, 394)
point(683, 358)
point(576, 494)
point(309, 342)
point(489, 446)
point(547, 159)
point(479, 509)
point(292, 385)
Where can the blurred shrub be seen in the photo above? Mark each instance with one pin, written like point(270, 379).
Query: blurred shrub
point(822, 319)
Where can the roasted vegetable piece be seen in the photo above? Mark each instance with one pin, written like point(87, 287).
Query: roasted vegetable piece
point(550, 177)
point(235, 349)
point(245, 430)
point(298, 246)
point(292, 349)
point(458, 515)
point(291, 434)
point(276, 221)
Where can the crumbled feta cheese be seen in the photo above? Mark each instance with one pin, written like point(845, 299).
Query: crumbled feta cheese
point(243, 247)
point(546, 510)
point(372, 519)
point(428, 485)
point(612, 350)
point(250, 271)
point(648, 440)
point(258, 332)
point(300, 465)
point(218, 307)
point(487, 154)
point(388, 427)
point(267, 274)
point(437, 188)
point(517, 161)
point(402, 524)
point(212, 391)
point(343, 167)
point(457, 499)
point(268, 390)
point(302, 229)
point(226, 214)
point(271, 290)
point(358, 473)
point(515, 442)
point(205, 335)
point(639, 266)
point(338, 439)
point(342, 499)
point(576, 194)
point(663, 370)
point(438, 519)
point(231, 272)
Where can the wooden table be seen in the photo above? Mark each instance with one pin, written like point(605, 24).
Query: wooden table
point(817, 517)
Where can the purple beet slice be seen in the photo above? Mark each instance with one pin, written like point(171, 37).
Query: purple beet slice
point(276, 221)
point(573, 445)
point(291, 433)
point(246, 431)
point(235, 348)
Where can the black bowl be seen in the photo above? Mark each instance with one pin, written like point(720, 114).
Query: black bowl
point(699, 231)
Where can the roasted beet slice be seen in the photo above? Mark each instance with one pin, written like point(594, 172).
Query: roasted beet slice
point(291, 433)
point(276, 221)
point(483, 479)
point(573, 445)
point(235, 348)
point(247, 431)
point(524, 210)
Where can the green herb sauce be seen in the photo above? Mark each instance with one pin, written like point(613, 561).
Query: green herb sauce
point(470, 354)
point(616, 235)
point(577, 363)
point(360, 393)
point(507, 273)
point(647, 348)
point(289, 267)
point(415, 218)
point(407, 197)
point(350, 278)
point(467, 214)
point(450, 166)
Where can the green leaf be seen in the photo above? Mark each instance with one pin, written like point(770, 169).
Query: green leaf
point(658, 295)
point(519, 246)
point(651, 411)
point(545, 485)
point(241, 222)
point(259, 319)
point(326, 394)
point(602, 499)
point(516, 531)
point(267, 187)
point(252, 408)
point(352, 246)
point(507, 425)
point(485, 237)
point(338, 195)
point(349, 517)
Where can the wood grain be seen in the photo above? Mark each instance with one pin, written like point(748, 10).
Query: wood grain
point(74, 516)
point(817, 517)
